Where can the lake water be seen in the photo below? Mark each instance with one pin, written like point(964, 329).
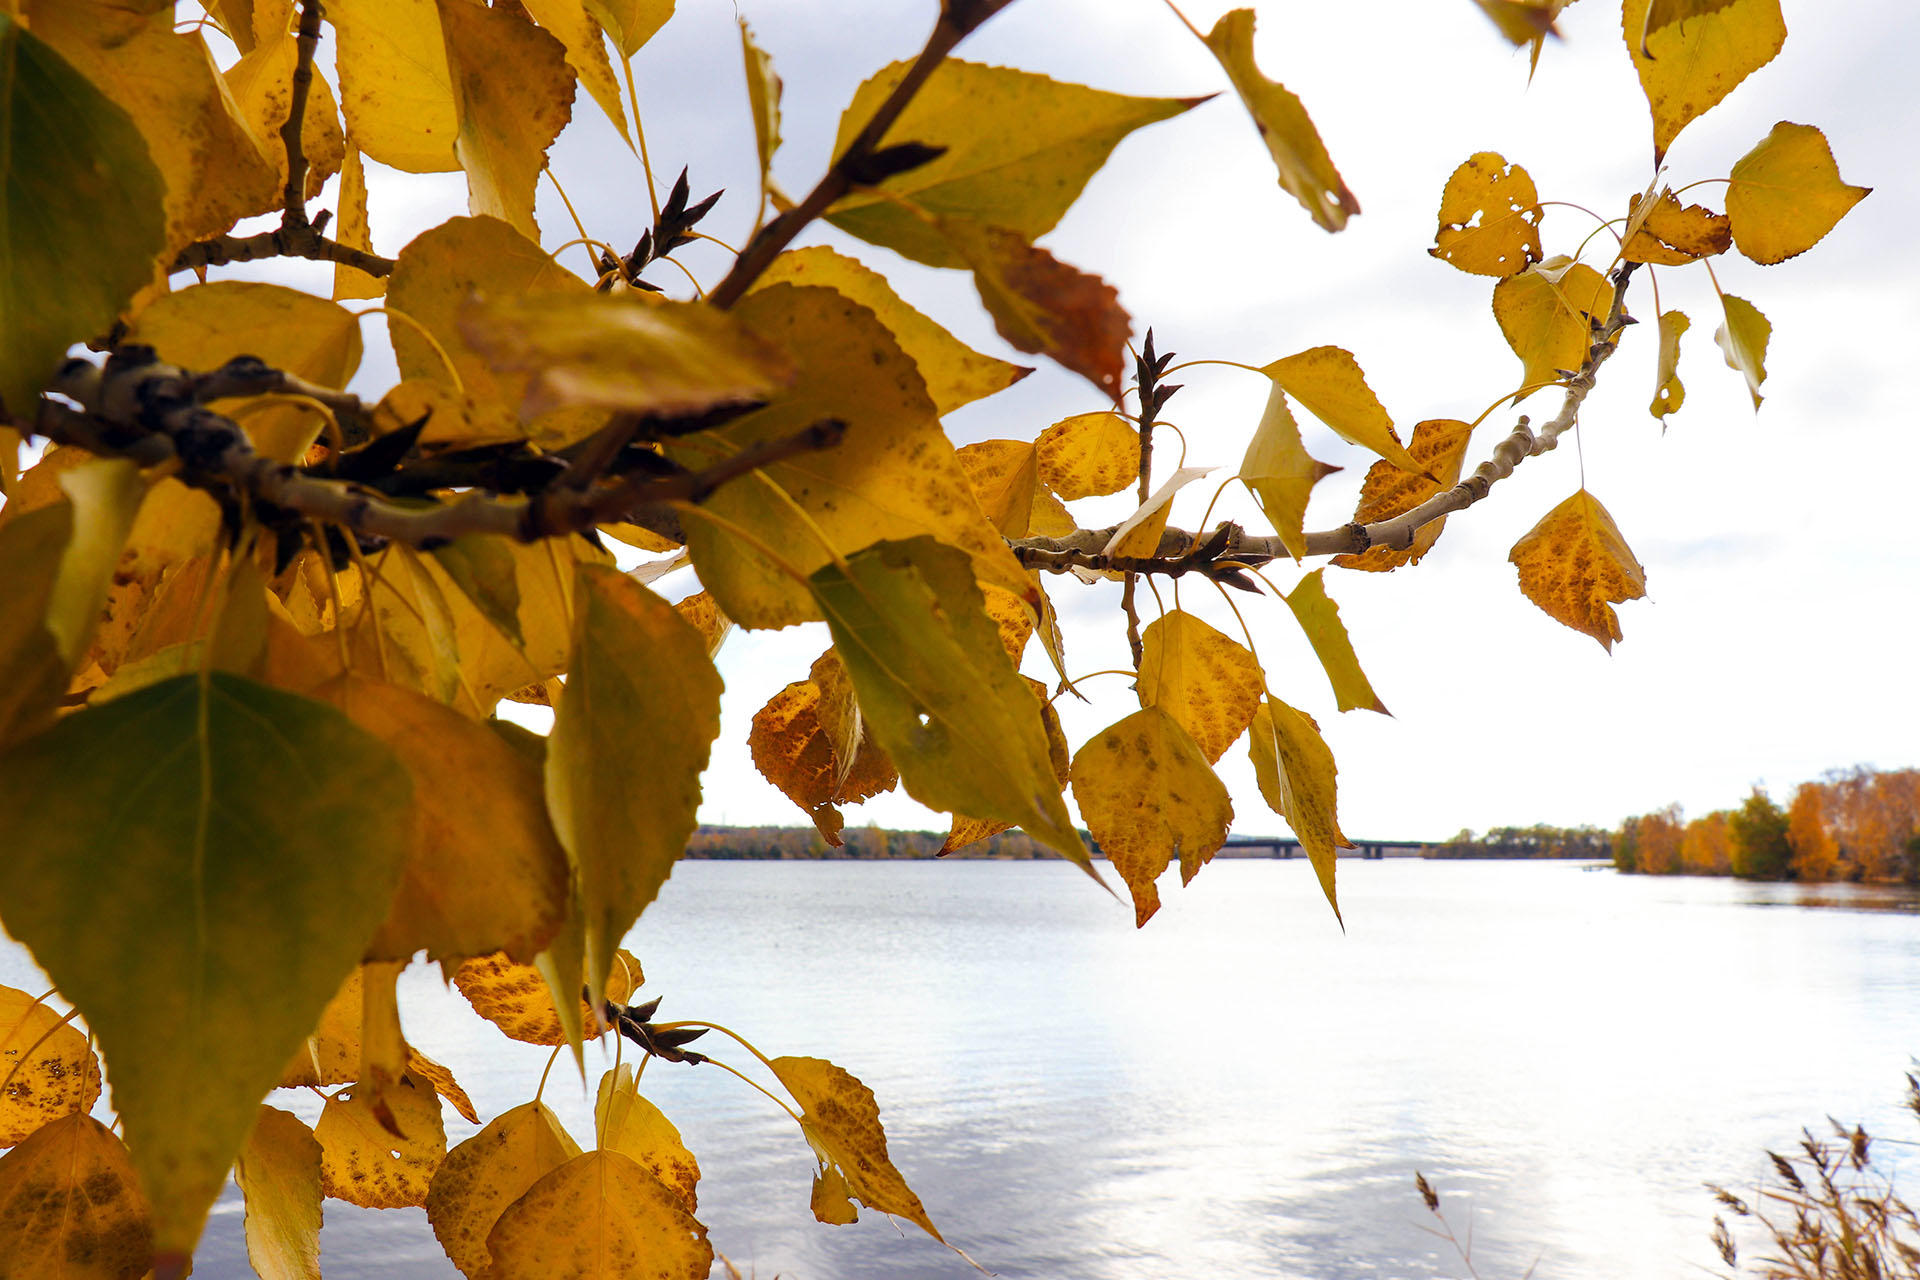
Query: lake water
point(1240, 1089)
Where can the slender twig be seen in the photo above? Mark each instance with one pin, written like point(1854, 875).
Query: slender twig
point(294, 200)
point(856, 165)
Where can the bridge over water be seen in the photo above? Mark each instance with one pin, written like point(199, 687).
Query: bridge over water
point(1288, 847)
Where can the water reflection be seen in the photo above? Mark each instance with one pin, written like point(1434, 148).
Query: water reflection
point(1240, 1090)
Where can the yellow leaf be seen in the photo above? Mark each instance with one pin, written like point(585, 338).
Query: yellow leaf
point(1664, 13)
point(70, 1206)
point(351, 283)
point(364, 1163)
point(106, 496)
point(204, 326)
point(1005, 475)
point(167, 83)
point(334, 1052)
point(599, 1216)
point(705, 617)
point(937, 690)
point(404, 629)
point(640, 687)
point(515, 998)
point(1281, 474)
point(955, 373)
point(1149, 798)
point(1786, 194)
point(1328, 383)
point(492, 662)
point(440, 271)
point(77, 184)
point(1668, 394)
point(236, 966)
point(1319, 617)
point(1012, 616)
point(626, 351)
point(489, 1171)
point(842, 1122)
point(47, 1068)
point(1524, 21)
point(963, 831)
point(763, 102)
point(485, 872)
point(1042, 305)
point(832, 1201)
point(1574, 562)
point(396, 87)
point(1089, 454)
point(633, 1126)
point(262, 87)
point(894, 475)
point(1547, 314)
point(1672, 236)
point(569, 22)
point(36, 679)
point(1306, 170)
point(1743, 341)
point(810, 741)
point(1440, 446)
point(1686, 68)
point(279, 1173)
point(631, 23)
point(513, 91)
point(1207, 682)
point(453, 420)
point(1019, 148)
point(1298, 779)
point(1489, 218)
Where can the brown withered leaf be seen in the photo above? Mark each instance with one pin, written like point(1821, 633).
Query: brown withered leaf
point(809, 742)
point(1043, 306)
point(1440, 446)
point(1574, 563)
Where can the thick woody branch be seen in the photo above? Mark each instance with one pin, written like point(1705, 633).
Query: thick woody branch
point(155, 415)
point(1059, 555)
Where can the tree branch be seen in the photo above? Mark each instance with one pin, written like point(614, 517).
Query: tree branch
point(863, 163)
point(155, 414)
point(1080, 548)
point(294, 200)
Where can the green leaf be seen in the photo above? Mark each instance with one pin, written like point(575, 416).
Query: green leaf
point(78, 187)
point(1319, 617)
point(937, 690)
point(630, 740)
point(1019, 148)
point(227, 847)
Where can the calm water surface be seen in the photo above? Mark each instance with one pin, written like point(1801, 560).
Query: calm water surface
point(1239, 1090)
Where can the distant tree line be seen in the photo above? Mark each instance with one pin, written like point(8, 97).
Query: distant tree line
point(1853, 824)
point(869, 843)
point(1537, 841)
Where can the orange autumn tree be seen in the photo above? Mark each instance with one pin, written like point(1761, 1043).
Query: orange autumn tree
point(257, 627)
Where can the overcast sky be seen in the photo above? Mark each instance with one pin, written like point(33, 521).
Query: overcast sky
point(1778, 637)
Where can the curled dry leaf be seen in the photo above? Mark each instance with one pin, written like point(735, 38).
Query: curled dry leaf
point(47, 1068)
point(1671, 235)
point(1439, 445)
point(809, 742)
point(514, 997)
point(1489, 218)
point(1574, 563)
point(1149, 798)
point(1786, 194)
point(1668, 394)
